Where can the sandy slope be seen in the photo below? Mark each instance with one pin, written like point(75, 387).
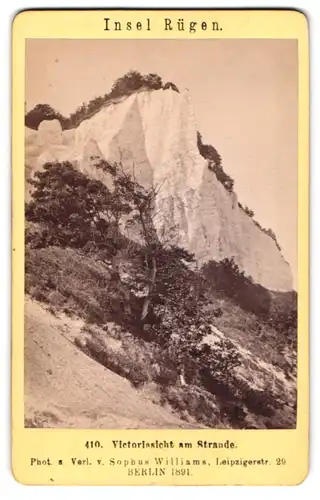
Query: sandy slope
point(65, 388)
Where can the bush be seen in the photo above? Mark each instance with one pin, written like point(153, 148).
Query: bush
point(284, 317)
point(131, 82)
point(62, 202)
point(37, 293)
point(226, 278)
point(152, 81)
point(130, 362)
point(215, 163)
point(247, 210)
point(41, 112)
point(269, 232)
point(128, 83)
point(172, 86)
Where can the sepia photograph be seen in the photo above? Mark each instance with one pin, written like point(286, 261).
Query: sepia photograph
point(161, 238)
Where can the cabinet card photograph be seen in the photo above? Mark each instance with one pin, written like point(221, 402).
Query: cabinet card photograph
point(158, 235)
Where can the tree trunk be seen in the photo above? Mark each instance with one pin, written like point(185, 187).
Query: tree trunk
point(147, 300)
point(127, 304)
point(122, 288)
point(115, 264)
point(181, 377)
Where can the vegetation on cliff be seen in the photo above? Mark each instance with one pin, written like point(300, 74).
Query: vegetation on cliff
point(124, 86)
point(269, 231)
point(215, 163)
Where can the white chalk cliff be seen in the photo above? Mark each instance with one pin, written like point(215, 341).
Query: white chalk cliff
point(156, 132)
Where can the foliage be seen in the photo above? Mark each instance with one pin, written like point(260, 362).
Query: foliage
point(42, 112)
point(247, 210)
point(283, 318)
point(172, 86)
point(134, 81)
point(277, 310)
point(153, 81)
point(226, 278)
point(269, 232)
point(208, 151)
point(78, 283)
point(131, 82)
point(128, 83)
point(197, 403)
point(74, 210)
point(215, 163)
point(118, 361)
point(178, 300)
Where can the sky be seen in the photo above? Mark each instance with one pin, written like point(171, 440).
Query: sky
point(244, 93)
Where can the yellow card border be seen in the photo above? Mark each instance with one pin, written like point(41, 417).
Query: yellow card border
point(63, 443)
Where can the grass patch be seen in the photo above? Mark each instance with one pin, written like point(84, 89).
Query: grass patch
point(69, 280)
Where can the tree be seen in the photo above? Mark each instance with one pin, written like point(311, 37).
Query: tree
point(272, 234)
point(179, 300)
point(214, 163)
point(141, 202)
point(74, 210)
point(153, 81)
point(172, 86)
point(248, 211)
point(226, 278)
point(222, 177)
point(43, 112)
point(83, 213)
point(79, 115)
point(128, 83)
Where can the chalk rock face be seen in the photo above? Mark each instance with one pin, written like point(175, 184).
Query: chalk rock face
point(154, 136)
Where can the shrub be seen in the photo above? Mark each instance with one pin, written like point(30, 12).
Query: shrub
point(269, 232)
point(172, 86)
point(215, 163)
point(74, 210)
point(41, 112)
point(124, 86)
point(56, 299)
point(84, 283)
point(128, 362)
point(217, 312)
point(247, 210)
point(129, 83)
point(152, 81)
point(193, 401)
point(226, 278)
point(38, 293)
